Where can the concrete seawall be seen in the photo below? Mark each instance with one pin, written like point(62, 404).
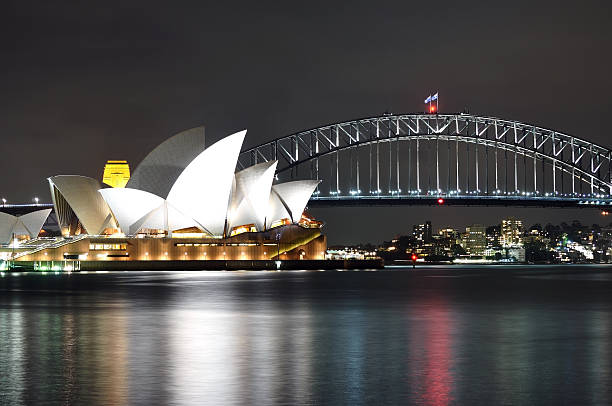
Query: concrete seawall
point(211, 265)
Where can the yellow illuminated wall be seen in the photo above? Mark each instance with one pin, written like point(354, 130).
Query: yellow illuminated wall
point(116, 173)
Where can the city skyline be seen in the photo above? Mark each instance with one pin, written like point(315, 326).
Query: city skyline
point(509, 240)
point(398, 219)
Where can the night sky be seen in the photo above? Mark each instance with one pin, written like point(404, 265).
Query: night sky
point(83, 82)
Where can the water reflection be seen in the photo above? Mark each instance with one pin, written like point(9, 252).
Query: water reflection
point(431, 325)
point(55, 347)
point(12, 358)
point(304, 338)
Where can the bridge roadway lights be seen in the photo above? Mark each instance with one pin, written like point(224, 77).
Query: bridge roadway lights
point(21, 209)
point(454, 200)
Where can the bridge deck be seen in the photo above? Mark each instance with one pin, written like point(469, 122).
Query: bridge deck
point(21, 209)
point(320, 201)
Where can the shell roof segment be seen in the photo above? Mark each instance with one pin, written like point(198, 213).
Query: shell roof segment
point(30, 224)
point(203, 189)
point(160, 169)
point(251, 195)
point(81, 194)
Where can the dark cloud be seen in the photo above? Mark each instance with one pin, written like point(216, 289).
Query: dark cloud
point(83, 82)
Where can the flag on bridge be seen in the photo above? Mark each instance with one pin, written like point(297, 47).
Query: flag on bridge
point(431, 98)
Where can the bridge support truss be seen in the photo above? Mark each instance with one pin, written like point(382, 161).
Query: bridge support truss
point(455, 156)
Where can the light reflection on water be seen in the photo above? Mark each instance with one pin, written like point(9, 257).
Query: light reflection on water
point(503, 336)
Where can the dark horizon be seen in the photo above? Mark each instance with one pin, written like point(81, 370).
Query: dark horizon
point(82, 84)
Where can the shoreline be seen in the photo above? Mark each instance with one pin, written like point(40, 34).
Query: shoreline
point(194, 265)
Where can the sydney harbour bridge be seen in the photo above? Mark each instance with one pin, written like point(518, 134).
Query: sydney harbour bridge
point(431, 159)
point(442, 159)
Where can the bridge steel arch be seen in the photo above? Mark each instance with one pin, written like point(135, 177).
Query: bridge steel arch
point(460, 157)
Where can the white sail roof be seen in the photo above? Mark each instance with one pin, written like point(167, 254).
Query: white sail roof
point(81, 194)
point(276, 210)
point(251, 194)
point(7, 224)
point(161, 167)
point(295, 195)
point(203, 189)
point(129, 205)
point(27, 224)
point(34, 221)
point(179, 185)
point(164, 217)
point(137, 209)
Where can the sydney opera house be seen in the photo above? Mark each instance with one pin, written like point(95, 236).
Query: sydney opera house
point(184, 201)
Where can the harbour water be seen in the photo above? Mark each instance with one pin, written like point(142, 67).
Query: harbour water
point(487, 335)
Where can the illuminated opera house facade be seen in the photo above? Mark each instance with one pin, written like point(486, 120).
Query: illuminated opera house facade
point(185, 202)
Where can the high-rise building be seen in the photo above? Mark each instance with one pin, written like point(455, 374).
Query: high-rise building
point(511, 233)
point(474, 240)
point(423, 232)
point(448, 232)
point(494, 236)
point(116, 173)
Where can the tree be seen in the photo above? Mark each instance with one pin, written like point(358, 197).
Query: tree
point(537, 252)
point(457, 249)
point(553, 232)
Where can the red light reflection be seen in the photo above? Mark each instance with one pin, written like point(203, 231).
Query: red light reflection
point(433, 372)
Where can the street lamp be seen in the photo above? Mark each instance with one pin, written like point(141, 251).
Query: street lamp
point(278, 260)
point(3, 202)
point(36, 200)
